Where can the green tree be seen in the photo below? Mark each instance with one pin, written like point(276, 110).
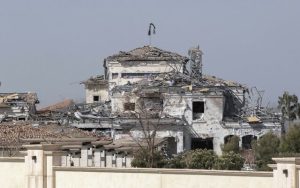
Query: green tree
point(290, 108)
point(232, 145)
point(264, 149)
point(290, 142)
point(229, 161)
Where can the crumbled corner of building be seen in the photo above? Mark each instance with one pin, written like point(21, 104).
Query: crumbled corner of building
point(144, 90)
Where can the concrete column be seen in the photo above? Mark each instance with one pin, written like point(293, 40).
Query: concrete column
point(97, 157)
point(64, 160)
point(217, 141)
point(128, 161)
point(187, 141)
point(52, 159)
point(119, 160)
point(84, 156)
point(39, 164)
point(179, 140)
point(286, 172)
point(109, 156)
point(76, 160)
point(68, 160)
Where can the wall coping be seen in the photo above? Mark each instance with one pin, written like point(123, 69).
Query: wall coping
point(45, 147)
point(12, 159)
point(166, 171)
point(287, 160)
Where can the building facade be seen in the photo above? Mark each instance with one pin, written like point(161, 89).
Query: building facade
point(148, 84)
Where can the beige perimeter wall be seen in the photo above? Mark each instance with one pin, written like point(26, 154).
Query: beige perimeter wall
point(12, 173)
point(72, 177)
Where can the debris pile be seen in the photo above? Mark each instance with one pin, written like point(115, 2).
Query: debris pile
point(59, 112)
point(17, 106)
point(147, 53)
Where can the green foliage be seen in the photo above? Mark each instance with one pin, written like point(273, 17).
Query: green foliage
point(199, 159)
point(176, 162)
point(265, 148)
point(207, 159)
point(229, 161)
point(194, 159)
point(232, 145)
point(289, 106)
point(291, 141)
point(143, 159)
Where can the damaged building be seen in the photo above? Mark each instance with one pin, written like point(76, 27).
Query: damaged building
point(17, 106)
point(148, 89)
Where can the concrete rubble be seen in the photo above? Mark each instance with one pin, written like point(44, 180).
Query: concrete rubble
point(167, 86)
point(150, 90)
point(17, 106)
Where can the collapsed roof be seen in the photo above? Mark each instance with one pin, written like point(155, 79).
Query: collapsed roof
point(93, 81)
point(147, 53)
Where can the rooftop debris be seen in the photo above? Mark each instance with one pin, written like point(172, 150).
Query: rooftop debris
point(17, 106)
point(97, 80)
point(57, 112)
point(147, 53)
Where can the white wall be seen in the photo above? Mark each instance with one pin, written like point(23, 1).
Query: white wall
point(12, 172)
point(138, 67)
point(159, 178)
point(100, 90)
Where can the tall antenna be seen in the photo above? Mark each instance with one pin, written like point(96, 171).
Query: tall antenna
point(151, 32)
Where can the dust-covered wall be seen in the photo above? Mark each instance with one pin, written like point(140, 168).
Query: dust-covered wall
point(96, 90)
point(115, 70)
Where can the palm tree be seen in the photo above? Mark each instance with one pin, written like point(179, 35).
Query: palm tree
point(290, 108)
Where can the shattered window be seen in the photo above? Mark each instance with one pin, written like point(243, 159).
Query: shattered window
point(202, 143)
point(129, 106)
point(96, 98)
point(114, 75)
point(138, 75)
point(198, 109)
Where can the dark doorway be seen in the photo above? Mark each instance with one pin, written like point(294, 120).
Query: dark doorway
point(247, 140)
point(202, 143)
point(171, 146)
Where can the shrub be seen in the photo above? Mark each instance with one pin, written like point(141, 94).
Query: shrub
point(232, 145)
point(229, 161)
point(199, 159)
point(142, 159)
point(176, 162)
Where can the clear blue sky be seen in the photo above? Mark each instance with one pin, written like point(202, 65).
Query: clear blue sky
point(49, 46)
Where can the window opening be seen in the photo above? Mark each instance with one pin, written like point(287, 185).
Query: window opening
point(96, 98)
point(202, 143)
point(198, 109)
point(129, 106)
